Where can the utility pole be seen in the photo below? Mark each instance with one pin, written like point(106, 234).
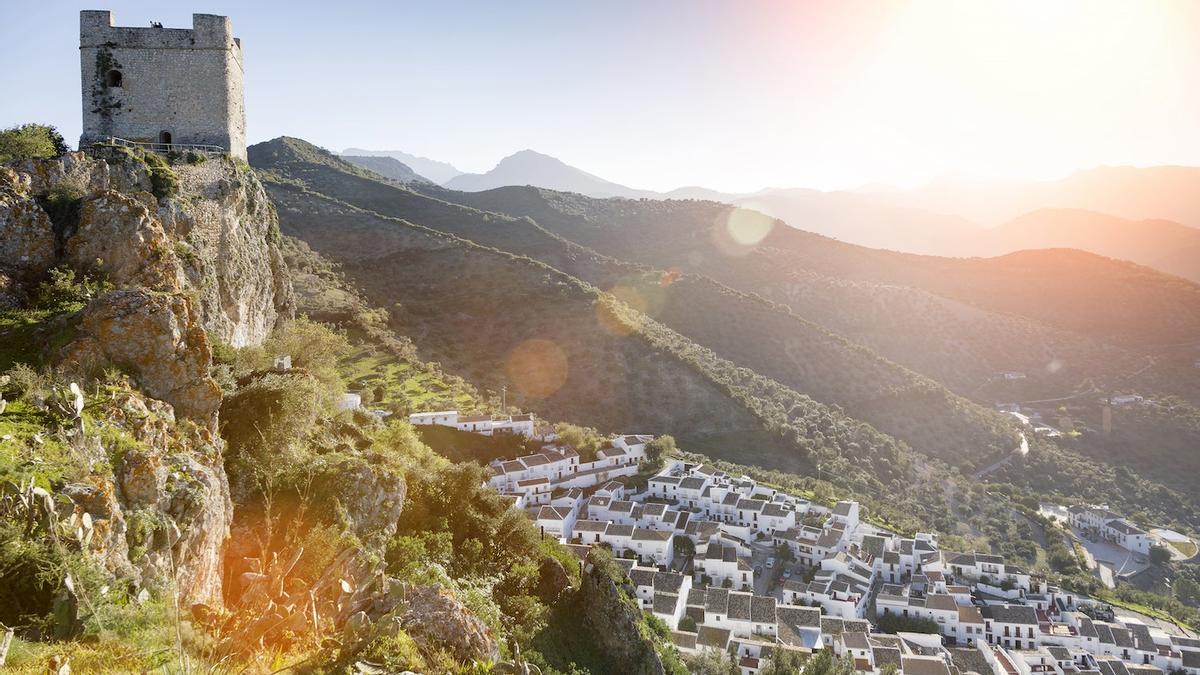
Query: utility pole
point(503, 398)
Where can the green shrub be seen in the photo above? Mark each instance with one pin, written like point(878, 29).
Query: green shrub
point(894, 623)
point(26, 594)
point(264, 424)
point(29, 141)
point(62, 204)
point(65, 291)
point(395, 653)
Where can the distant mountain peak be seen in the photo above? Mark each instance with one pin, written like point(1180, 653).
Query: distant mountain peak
point(530, 167)
point(434, 170)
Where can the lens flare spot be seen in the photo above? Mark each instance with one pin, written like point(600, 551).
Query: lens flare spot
point(739, 231)
point(537, 368)
point(630, 296)
point(1054, 366)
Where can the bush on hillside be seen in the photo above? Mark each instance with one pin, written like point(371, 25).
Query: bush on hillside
point(894, 623)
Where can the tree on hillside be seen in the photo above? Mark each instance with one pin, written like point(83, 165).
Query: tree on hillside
point(585, 440)
point(712, 662)
point(658, 450)
point(684, 546)
point(788, 662)
point(1187, 590)
point(31, 140)
point(1159, 555)
point(784, 553)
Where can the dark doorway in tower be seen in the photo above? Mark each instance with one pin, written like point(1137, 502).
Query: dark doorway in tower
point(164, 137)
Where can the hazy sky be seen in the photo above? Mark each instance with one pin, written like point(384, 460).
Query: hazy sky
point(732, 95)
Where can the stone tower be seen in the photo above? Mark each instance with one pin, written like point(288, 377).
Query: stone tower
point(162, 85)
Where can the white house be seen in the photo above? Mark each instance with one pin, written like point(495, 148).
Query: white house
point(556, 521)
point(445, 418)
point(845, 514)
point(653, 545)
point(723, 566)
point(1011, 626)
point(1110, 526)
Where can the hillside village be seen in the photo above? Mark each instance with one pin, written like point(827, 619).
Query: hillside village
point(731, 565)
point(428, 557)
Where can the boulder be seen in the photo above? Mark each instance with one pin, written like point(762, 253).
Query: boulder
point(437, 620)
point(372, 499)
point(553, 580)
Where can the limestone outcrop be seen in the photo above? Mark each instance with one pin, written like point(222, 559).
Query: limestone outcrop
point(437, 619)
point(162, 514)
point(26, 236)
point(213, 236)
point(614, 622)
point(187, 253)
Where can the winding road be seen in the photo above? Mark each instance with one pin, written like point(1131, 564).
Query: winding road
point(1020, 451)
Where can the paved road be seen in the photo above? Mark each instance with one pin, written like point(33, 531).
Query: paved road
point(1106, 559)
point(1020, 451)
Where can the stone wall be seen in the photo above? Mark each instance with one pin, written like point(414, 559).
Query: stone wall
point(186, 82)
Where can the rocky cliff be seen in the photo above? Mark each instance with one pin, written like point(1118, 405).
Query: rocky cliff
point(614, 619)
point(179, 254)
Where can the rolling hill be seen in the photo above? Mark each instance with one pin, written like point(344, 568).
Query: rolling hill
point(1163, 245)
point(1124, 191)
point(635, 359)
point(388, 167)
point(1066, 290)
point(795, 352)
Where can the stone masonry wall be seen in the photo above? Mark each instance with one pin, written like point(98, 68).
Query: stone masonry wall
point(187, 82)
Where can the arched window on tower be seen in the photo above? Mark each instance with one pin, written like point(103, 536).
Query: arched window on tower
point(113, 78)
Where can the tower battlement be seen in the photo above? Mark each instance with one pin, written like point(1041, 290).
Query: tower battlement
point(162, 85)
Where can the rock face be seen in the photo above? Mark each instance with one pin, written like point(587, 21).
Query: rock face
point(552, 580)
point(215, 239)
point(158, 339)
point(614, 623)
point(26, 233)
point(228, 237)
point(120, 235)
point(162, 513)
point(201, 259)
point(436, 619)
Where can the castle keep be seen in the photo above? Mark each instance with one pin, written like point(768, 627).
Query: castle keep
point(162, 85)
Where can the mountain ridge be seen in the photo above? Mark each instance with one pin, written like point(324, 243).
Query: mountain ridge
point(435, 170)
point(948, 217)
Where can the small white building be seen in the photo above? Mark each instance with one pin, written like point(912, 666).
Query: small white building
point(1109, 526)
point(657, 546)
point(445, 418)
point(349, 401)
